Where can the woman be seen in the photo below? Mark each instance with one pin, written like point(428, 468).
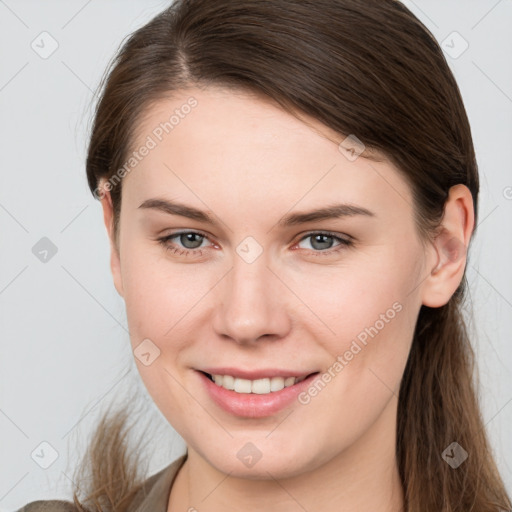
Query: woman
point(290, 189)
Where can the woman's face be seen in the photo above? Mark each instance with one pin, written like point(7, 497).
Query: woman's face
point(264, 292)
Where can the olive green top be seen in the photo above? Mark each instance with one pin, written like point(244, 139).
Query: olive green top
point(152, 497)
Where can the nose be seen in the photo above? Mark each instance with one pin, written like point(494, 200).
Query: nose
point(251, 303)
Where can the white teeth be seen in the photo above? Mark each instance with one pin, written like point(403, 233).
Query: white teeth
point(228, 382)
point(276, 383)
point(261, 386)
point(258, 386)
point(242, 386)
point(289, 381)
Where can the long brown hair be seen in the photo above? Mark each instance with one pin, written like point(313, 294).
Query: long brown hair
point(368, 68)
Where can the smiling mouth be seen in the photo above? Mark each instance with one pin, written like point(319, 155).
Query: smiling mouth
point(258, 386)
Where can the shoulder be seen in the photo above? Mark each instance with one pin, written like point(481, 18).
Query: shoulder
point(48, 506)
point(152, 495)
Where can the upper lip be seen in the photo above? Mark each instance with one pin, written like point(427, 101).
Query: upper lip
point(256, 374)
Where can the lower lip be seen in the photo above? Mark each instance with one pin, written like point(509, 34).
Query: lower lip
point(252, 405)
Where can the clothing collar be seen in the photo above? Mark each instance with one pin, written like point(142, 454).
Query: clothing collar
point(154, 495)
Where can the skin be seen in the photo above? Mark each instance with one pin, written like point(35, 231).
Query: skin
point(248, 163)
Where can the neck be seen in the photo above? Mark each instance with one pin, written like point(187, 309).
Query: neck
point(364, 476)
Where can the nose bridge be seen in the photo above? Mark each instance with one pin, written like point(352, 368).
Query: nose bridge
point(250, 304)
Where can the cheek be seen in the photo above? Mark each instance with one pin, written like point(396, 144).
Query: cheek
point(156, 292)
point(159, 305)
point(366, 291)
point(371, 315)
point(365, 363)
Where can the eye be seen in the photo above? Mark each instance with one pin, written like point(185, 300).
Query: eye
point(322, 243)
point(191, 241)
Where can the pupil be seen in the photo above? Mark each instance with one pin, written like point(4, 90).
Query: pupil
point(189, 237)
point(320, 237)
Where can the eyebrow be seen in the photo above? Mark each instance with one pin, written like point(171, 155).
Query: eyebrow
point(335, 211)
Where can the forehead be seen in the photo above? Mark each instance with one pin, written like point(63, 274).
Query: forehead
point(214, 141)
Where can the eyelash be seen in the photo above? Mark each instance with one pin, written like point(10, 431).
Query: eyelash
point(343, 243)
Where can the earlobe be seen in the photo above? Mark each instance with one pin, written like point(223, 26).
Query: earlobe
point(115, 262)
point(450, 248)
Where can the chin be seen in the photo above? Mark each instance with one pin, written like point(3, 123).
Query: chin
point(250, 463)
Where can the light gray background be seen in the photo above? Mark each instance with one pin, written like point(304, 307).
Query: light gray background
point(64, 345)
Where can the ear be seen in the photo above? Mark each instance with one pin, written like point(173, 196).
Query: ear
point(449, 249)
point(108, 217)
